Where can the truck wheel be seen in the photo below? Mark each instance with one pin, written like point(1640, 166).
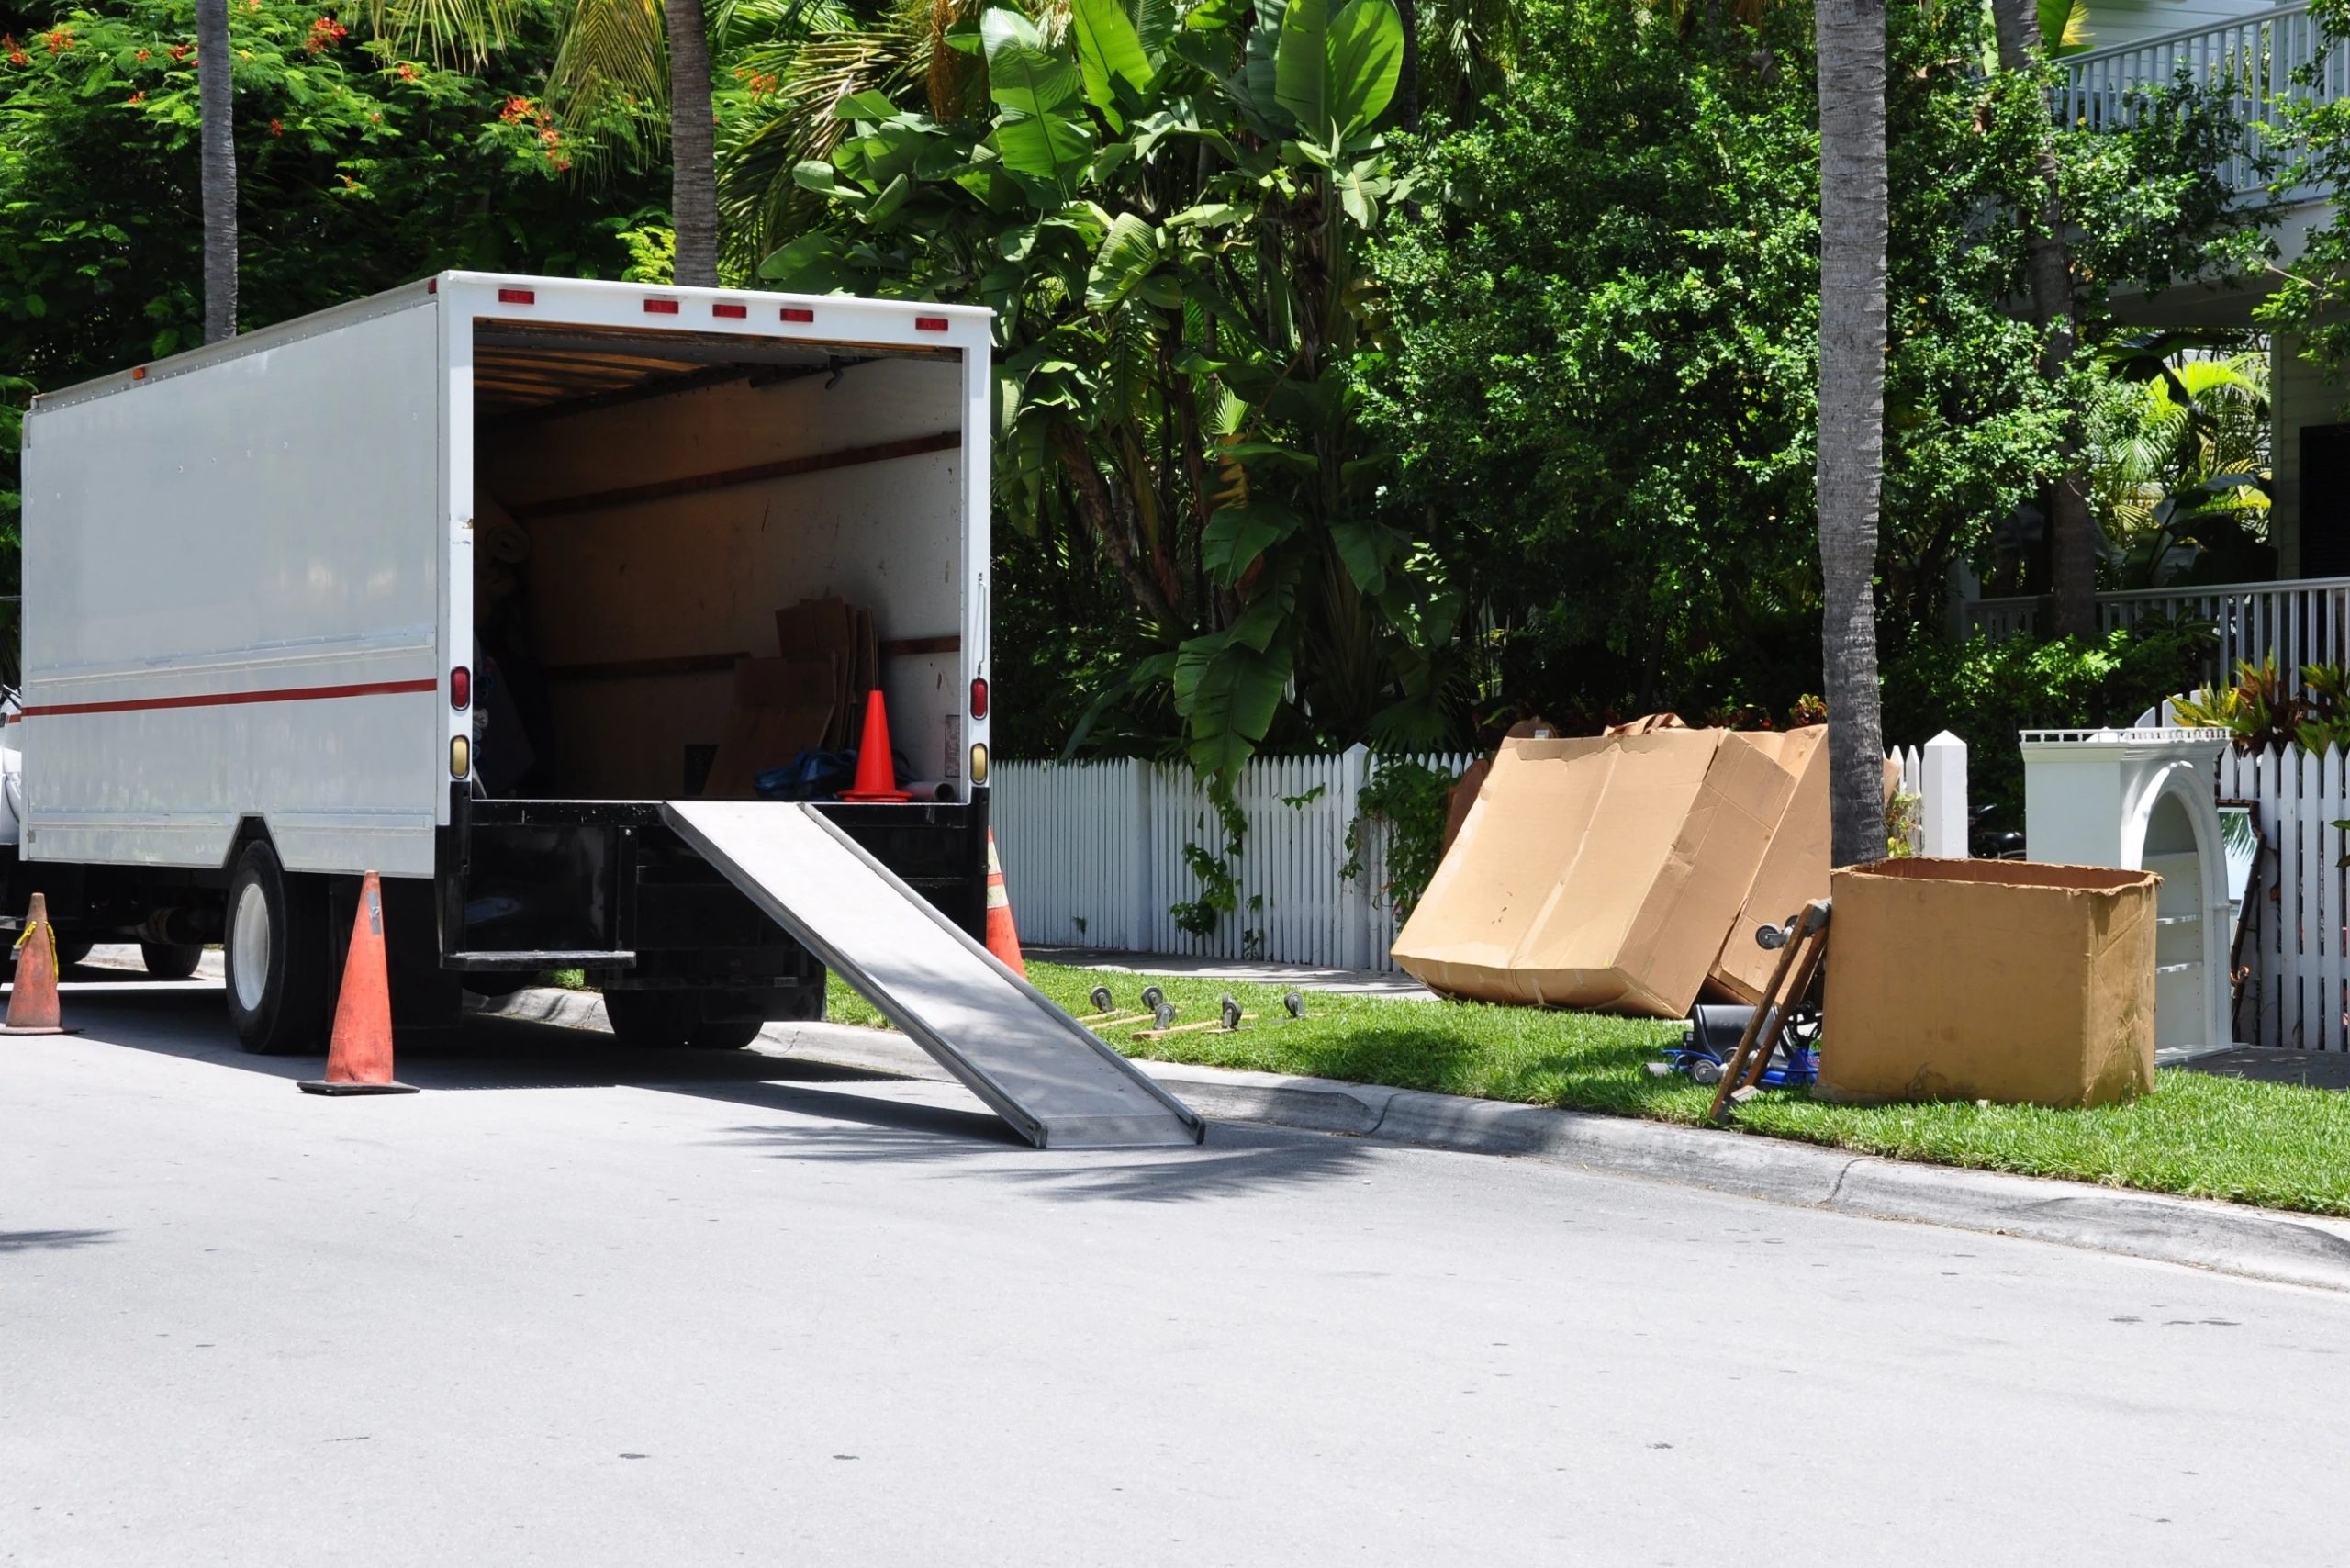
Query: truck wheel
point(70, 952)
point(171, 961)
point(276, 955)
point(672, 1020)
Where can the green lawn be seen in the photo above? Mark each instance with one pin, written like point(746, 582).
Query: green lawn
point(2272, 1144)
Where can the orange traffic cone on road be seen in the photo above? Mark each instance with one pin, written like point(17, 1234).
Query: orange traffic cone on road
point(33, 1000)
point(359, 1058)
point(876, 777)
point(1003, 936)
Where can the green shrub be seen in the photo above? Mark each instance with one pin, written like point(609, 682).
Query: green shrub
point(1984, 692)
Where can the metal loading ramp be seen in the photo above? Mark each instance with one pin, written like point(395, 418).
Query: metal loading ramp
point(1039, 1068)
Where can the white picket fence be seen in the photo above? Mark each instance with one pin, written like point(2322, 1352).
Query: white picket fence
point(1094, 855)
point(2292, 952)
point(1936, 774)
point(1095, 852)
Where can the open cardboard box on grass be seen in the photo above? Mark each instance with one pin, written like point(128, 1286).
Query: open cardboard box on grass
point(1989, 980)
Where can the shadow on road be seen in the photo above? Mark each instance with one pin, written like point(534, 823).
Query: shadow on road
point(1235, 1160)
point(481, 1053)
point(50, 1240)
point(898, 1122)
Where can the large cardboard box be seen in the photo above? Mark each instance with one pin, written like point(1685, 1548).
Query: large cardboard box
point(1600, 872)
point(1794, 870)
point(1989, 980)
point(782, 707)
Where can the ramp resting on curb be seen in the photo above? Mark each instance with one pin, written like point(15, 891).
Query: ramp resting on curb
point(1037, 1068)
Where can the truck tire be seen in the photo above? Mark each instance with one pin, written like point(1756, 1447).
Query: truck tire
point(171, 961)
point(72, 950)
point(672, 1020)
point(276, 955)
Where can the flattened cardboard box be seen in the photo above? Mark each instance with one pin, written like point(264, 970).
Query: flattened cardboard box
point(1599, 872)
point(1794, 866)
point(1989, 980)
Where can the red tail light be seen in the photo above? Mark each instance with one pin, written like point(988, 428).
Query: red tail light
point(798, 313)
point(517, 297)
point(930, 323)
point(730, 312)
point(461, 689)
point(660, 307)
point(980, 696)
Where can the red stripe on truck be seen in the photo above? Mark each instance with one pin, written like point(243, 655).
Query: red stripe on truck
point(233, 698)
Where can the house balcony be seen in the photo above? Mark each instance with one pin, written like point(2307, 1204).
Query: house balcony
point(2255, 61)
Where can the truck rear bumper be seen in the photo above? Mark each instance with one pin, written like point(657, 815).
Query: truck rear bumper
point(607, 885)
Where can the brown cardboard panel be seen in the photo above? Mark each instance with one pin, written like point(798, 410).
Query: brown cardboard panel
point(1794, 870)
point(1599, 872)
point(781, 708)
point(1989, 980)
point(826, 626)
point(1647, 723)
point(1463, 793)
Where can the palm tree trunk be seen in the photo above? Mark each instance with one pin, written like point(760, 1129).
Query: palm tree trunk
point(1851, 34)
point(2055, 310)
point(693, 186)
point(216, 162)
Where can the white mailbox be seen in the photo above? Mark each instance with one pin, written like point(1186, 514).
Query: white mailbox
point(2146, 800)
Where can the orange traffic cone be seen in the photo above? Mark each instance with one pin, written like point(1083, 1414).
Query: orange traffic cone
point(359, 1059)
point(877, 777)
point(32, 1001)
point(1003, 936)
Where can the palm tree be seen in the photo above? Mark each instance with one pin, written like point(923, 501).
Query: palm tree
point(216, 162)
point(1851, 34)
point(622, 61)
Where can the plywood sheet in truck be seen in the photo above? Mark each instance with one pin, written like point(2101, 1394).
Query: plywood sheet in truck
point(637, 606)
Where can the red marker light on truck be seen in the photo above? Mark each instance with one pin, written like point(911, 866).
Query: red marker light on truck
point(979, 697)
point(930, 323)
point(517, 297)
point(730, 312)
point(660, 307)
point(461, 689)
point(798, 313)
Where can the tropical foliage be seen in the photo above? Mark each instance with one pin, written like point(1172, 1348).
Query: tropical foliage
point(1168, 214)
point(1370, 370)
point(2181, 468)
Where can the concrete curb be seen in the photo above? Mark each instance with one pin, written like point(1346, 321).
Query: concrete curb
point(2230, 1238)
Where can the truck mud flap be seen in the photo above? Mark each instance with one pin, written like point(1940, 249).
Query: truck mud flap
point(1056, 1083)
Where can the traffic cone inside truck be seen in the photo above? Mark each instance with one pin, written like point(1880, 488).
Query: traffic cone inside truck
point(556, 602)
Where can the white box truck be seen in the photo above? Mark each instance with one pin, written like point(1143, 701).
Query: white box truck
point(453, 584)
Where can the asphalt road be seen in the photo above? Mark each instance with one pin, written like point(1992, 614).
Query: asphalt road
point(574, 1305)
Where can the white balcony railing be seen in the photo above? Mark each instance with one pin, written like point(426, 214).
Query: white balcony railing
point(2254, 60)
point(2300, 621)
